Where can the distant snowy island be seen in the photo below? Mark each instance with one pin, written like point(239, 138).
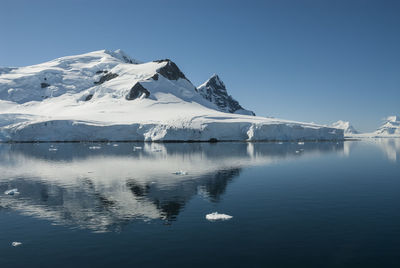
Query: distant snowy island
point(108, 96)
point(389, 129)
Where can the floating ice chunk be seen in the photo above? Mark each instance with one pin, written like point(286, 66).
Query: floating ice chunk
point(52, 148)
point(137, 148)
point(215, 216)
point(94, 147)
point(16, 244)
point(12, 192)
point(115, 145)
point(280, 142)
point(297, 152)
point(300, 143)
point(180, 172)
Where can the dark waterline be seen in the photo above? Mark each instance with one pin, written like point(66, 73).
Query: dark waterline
point(317, 204)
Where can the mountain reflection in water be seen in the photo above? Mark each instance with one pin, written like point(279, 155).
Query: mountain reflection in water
point(103, 186)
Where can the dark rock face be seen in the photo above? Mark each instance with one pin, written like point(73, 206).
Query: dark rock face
point(89, 97)
point(44, 85)
point(136, 91)
point(105, 78)
point(214, 90)
point(102, 71)
point(155, 77)
point(170, 70)
point(127, 60)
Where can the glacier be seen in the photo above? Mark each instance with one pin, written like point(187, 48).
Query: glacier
point(109, 96)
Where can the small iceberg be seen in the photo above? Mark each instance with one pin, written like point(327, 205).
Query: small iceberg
point(215, 216)
point(180, 172)
point(94, 147)
point(300, 143)
point(137, 148)
point(52, 148)
point(115, 145)
point(12, 192)
point(16, 244)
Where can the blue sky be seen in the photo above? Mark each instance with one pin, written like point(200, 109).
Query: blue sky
point(315, 61)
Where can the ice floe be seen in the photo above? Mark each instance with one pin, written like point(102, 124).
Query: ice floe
point(215, 216)
point(12, 192)
point(181, 172)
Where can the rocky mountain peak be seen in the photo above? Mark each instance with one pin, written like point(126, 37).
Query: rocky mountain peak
point(215, 82)
point(214, 90)
point(170, 70)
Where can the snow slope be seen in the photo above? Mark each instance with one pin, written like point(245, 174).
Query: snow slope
point(345, 125)
point(106, 95)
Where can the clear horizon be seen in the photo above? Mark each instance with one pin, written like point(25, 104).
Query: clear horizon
point(310, 61)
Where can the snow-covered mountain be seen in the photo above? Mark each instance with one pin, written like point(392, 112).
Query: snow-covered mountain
point(389, 129)
point(391, 126)
point(107, 95)
point(345, 125)
point(215, 91)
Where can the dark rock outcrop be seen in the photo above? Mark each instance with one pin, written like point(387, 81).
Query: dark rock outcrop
point(106, 77)
point(170, 70)
point(102, 71)
point(127, 60)
point(136, 91)
point(155, 77)
point(44, 85)
point(89, 97)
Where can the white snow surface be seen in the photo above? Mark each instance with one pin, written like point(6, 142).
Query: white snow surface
point(346, 126)
point(62, 100)
point(215, 216)
point(391, 126)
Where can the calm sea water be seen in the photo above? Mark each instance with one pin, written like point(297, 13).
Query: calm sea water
point(122, 205)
